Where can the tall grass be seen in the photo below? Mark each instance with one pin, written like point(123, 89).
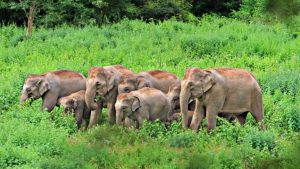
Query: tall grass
point(30, 138)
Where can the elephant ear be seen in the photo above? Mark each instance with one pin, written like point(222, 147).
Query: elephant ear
point(135, 103)
point(110, 75)
point(209, 81)
point(43, 86)
point(142, 82)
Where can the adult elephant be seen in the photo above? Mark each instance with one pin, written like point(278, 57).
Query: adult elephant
point(102, 86)
point(158, 79)
point(220, 90)
point(51, 86)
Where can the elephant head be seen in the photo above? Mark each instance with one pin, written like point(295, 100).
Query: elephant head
point(35, 87)
point(173, 95)
point(142, 82)
point(195, 84)
point(126, 106)
point(99, 83)
point(127, 84)
point(70, 105)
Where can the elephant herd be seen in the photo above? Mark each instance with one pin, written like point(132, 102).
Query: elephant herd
point(132, 98)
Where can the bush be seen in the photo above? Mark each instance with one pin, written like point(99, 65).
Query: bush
point(261, 139)
point(185, 139)
point(154, 129)
point(30, 138)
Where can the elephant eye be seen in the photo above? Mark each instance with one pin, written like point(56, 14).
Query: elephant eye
point(126, 89)
point(28, 90)
point(175, 98)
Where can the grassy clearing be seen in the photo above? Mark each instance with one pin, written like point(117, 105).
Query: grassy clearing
point(30, 138)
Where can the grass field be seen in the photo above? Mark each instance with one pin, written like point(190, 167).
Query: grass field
point(30, 138)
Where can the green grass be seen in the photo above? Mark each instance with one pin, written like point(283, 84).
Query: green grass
point(30, 138)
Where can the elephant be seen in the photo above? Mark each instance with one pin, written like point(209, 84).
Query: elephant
point(220, 90)
point(102, 87)
point(143, 104)
point(158, 79)
point(176, 116)
point(75, 103)
point(230, 117)
point(174, 95)
point(51, 86)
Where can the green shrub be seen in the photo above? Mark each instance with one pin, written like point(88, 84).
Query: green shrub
point(154, 129)
point(287, 81)
point(260, 139)
point(184, 139)
point(30, 138)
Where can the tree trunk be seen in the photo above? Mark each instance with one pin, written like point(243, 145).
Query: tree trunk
point(30, 19)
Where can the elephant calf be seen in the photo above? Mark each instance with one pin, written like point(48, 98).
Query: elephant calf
point(144, 104)
point(176, 116)
point(75, 103)
point(51, 86)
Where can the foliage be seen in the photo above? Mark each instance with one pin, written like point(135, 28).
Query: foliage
point(30, 138)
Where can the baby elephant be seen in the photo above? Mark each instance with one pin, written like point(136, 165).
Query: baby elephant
point(75, 103)
point(175, 117)
point(144, 104)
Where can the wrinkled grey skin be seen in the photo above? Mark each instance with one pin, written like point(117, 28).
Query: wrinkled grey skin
point(102, 87)
point(144, 104)
point(75, 104)
point(174, 97)
point(157, 79)
point(176, 116)
point(220, 90)
point(51, 86)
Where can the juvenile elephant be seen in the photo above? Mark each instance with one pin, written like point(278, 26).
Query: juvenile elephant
point(220, 90)
point(176, 116)
point(51, 86)
point(157, 79)
point(102, 86)
point(144, 104)
point(174, 97)
point(75, 103)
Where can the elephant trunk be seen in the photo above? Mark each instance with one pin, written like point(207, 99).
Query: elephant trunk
point(184, 99)
point(78, 117)
point(23, 97)
point(119, 118)
point(90, 98)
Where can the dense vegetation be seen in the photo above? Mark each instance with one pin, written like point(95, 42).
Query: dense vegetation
point(81, 12)
point(30, 138)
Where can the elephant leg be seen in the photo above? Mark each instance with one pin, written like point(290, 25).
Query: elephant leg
point(84, 124)
point(257, 109)
point(211, 116)
point(198, 116)
point(49, 101)
point(258, 116)
point(111, 113)
point(142, 114)
point(242, 118)
point(95, 114)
